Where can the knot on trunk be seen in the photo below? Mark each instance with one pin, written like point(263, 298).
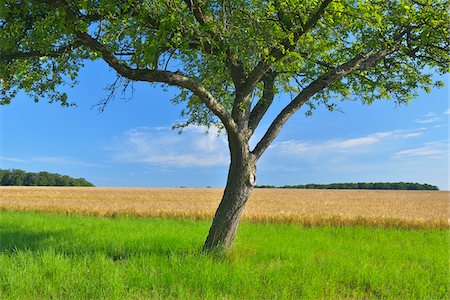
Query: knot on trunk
point(252, 176)
point(252, 179)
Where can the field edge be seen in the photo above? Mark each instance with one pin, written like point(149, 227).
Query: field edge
point(305, 221)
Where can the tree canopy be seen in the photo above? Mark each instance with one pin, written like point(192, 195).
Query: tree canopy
point(215, 49)
point(16, 177)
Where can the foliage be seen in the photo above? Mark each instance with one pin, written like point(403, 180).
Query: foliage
point(21, 178)
point(78, 257)
point(223, 45)
point(361, 186)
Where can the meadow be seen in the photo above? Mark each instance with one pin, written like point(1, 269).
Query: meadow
point(130, 243)
point(400, 209)
point(48, 255)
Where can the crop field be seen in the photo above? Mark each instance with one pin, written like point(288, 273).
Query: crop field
point(403, 209)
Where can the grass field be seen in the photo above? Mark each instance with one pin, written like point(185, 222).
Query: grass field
point(44, 255)
point(406, 209)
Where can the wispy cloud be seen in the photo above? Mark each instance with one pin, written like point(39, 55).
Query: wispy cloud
point(427, 121)
point(447, 112)
point(13, 159)
point(411, 135)
point(428, 118)
point(437, 149)
point(397, 155)
point(164, 147)
point(58, 160)
point(358, 144)
point(354, 155)
point(61, 160)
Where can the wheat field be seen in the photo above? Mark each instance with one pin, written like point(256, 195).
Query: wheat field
point(404, 209)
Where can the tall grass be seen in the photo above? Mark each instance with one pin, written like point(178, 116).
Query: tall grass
point(45, 255)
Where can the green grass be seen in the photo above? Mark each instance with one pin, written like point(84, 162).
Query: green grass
point(65, 257)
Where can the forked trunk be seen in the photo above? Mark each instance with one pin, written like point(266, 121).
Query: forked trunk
point(240, 182)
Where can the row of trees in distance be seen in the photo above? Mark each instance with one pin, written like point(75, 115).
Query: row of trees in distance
point(361, 186)
point(22, 178)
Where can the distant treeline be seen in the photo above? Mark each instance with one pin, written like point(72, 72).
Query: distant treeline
point(360, 186)
point(22, 178)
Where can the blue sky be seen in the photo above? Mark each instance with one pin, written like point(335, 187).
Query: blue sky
point(131, 143)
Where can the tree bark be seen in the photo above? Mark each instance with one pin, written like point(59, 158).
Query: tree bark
point(240, 182)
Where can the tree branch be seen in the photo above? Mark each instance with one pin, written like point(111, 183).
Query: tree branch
point(148, 75)
point(264, 103)
point(245, 87)
point(362, 61)
point(277, 53)
point(197, 11)
point(232, 62)
point(37, 54)
point(171, 78)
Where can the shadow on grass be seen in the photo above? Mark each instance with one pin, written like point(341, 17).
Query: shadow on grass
point(66, 242)
point(15, 239)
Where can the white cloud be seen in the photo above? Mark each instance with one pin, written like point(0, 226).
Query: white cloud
point(359, 144)
point(437, 149)
point(164, 147)
point(12, 159)
point(412, 134)
point(428, 118)
point(440, 126)
point(61, 160)
point(427, 121)
point(396, 155)
point(447, 112)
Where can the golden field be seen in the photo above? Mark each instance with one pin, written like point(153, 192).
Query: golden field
point(409, 209)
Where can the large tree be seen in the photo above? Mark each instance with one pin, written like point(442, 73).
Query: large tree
point(229, 58)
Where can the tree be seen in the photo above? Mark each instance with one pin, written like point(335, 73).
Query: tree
point(359, 186)
point(2, 174)
point(63, 180)
point(13, 178)
point(30, 179)
point(230, 59)
point(21, 178)
point(45, 179)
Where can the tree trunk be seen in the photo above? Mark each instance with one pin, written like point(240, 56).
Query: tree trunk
point(240, 182)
